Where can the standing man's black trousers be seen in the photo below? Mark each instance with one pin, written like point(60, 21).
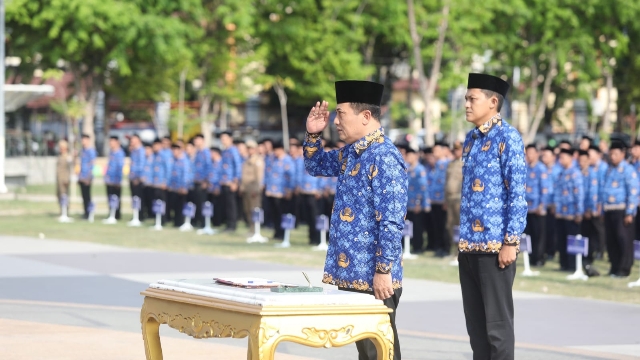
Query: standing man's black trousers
point(591, 229)
point(438, 224)
point(565, 228)
point(536, 229)
point(115, 190)
point(85, 190)
point(310, 212)
point(138, 190)
point(428, 227)
point(177, 204)
point(619, 242)
point(230, 207)
point(366, 348)
point(161, 194)
point(147, 201)
point(487, 300)
point(218, 206)
point(277, 208)
point(417, 241)
point(199, 197)
point(551, 242)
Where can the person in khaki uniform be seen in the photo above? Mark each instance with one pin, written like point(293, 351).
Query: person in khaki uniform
point(452, 193)
point(252, 180)
point(63, 172)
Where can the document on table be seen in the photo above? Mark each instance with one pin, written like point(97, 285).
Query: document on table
point(248, 282)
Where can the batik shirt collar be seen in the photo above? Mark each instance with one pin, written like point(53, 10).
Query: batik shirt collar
point(484, 128)
point(363, 144)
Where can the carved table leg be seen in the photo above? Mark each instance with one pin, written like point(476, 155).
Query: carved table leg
point(151, 337)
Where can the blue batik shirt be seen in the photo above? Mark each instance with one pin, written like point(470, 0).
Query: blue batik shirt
point(369, 209)
point(161, 170)
point(493, 209)
point(438, 177)
point(113, 175)
point(202, 165)
point(548, 180)
point(568, 195)
point(231, 166)
point(87, 158)
point(620, 189)
point(418, 188)
point(215, 175)
point(138, 162)
point(167, 157)
point(310, 184)
point(298, 168)
point(147, 173)
point(280, 178)
point(535, 187)
point(591, 189)
point(636, 167)
point(181, 174)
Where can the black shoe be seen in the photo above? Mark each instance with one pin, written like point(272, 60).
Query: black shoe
point(591, 271)
point(550, 257)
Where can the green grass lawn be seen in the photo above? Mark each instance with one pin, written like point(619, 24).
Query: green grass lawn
point(19, 217)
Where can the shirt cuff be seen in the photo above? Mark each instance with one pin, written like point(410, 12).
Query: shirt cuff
point(511, 240)
point(383, 268)
point(312, 138)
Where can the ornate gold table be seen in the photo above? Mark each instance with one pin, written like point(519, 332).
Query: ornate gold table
point(204, 309)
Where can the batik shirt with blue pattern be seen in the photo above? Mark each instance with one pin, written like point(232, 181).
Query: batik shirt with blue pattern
point(493, 209)
point(309, 184)
point(138, 162)
point(535, 187)
point(548, 181)
point(161, 170)
point(167, 157)
point(113, 175)
point(231, 166)
point(214, 176)
point(568, 195)
point(181, 176)
point(620, 189)
point(279, 178)
point(202, 165)
point(147, 173)
point(438, 177)
point(418, 188)
point(591, 189)
point(636, 166)
point(86, 164)
point(369, 209)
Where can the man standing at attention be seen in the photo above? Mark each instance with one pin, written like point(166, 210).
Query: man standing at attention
point(136, 171)
point(87, 158)
point(230, 179)
point(113, 176)
point(493, 215)
point(365, 247)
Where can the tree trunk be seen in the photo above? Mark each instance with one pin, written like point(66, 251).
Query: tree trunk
point(89, 114)
point(606, 117)
point(205, 123)
point(183, 76)
point(542, 105)
point(282, 98)
point(437, 61)
point(415, 40)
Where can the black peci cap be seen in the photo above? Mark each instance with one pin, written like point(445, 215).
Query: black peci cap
point(583, 153)
point(566, 151)
point(354, 91)
point(488, 82)
point(617, 144)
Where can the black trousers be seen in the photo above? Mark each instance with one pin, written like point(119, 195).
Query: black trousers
point(240, 215)
point(268, 214)
point(551, 242)
point(366, 348)
point(199, 196)
point(276, 205)
point(428, 228)
point(591, 229)
point(619, 242)
point(177, 202)
point(230, 206)
point(161, 194)
point(217, 202)
point(309, 214)
point(536, 229)
point(85, 190)
point(417, 241)
point(565, 228)
point(147, 202)
point(138, 190)
point(115, 190)
point(438, 224)
point(487, 300)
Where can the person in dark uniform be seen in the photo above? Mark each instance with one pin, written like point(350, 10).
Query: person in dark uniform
point(161, 171)
point(202, 168)
point(179, 182)
point(600, 167)
point(136, 171)
point(591, 211)
point(418, 201)
point(371, 199)
point(568, 206)
point(113, 175)
point(279, 185)
point(230, 179)
point(436, 195)
point(537, 207)
point(493, 215)
point(85, 178)
point(620, 202)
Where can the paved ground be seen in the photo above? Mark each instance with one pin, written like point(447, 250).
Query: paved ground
point(72, 300)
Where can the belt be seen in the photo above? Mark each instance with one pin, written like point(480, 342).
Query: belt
point(613, 207)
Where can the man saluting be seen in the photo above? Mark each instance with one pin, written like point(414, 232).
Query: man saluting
point(365, 248)
point(493, 214)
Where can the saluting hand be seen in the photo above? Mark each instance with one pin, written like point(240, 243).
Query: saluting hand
point(318, 118)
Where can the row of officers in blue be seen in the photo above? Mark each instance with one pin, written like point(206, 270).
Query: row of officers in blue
point(591, 190)
point(236, 178)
